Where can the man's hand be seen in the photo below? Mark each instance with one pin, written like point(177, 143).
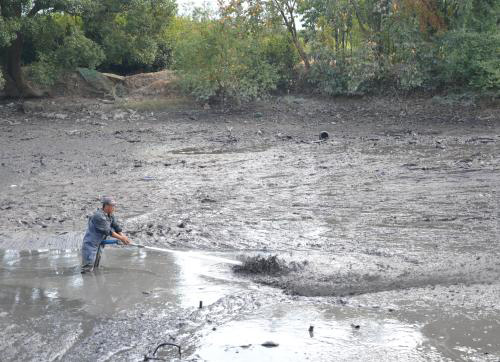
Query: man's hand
point(125, 240)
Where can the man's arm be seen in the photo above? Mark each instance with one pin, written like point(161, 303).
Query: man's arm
point(120, 236)
point(115, 225)
point(117, 232)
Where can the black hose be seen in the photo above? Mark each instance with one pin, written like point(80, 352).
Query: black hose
point(149, 358)
point(168, 344)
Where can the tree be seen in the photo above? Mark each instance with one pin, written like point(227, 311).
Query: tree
point(288, 11)
point(131, 32)
point(16, 16)
point(224, 60)
point(262, 14)
point(332, 21)
point(7, 34)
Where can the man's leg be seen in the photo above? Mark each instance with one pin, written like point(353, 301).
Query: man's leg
point(89, 254)
point(98, 256)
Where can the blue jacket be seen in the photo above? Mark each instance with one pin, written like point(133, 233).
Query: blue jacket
point(99, 228)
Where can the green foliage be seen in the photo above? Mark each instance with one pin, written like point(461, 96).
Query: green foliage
point(327, 74)
point(44, 34)
point(8, 28)
point(363, 67)
point(279, 52)
point(335, 73)
point(252, 46)
point(64, 52)
point(44, 71)
point(402, 45)
point(50, 37)
point(470, 59)
point(131, 33)
point(221, 62)
point(57, 35)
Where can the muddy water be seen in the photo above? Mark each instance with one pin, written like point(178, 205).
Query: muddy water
point(336, 335)
point(47, 307)
point(49, 311)
point(350, 331)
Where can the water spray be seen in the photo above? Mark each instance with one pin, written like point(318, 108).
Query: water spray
point(177, 252)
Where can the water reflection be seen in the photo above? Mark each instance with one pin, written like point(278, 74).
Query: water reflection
point(127, 277)
point(45, 300)
point(334, 338)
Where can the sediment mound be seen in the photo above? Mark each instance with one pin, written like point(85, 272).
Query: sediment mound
point(269, 265)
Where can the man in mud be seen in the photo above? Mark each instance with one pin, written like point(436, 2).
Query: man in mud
point(101, 225)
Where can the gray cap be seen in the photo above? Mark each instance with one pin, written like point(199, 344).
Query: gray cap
point(108, 200)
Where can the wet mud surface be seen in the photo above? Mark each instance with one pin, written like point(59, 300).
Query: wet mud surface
point(395, 215)
point(49, 311)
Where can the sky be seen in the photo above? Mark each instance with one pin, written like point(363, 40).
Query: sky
point(186, 6)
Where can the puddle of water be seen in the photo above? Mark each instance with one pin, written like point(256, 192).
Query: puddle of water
point(49, 311)
point(334, 337)
point(461, 337)
point(126, 278)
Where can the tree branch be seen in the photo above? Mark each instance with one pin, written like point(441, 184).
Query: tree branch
point(360, 21)
point(35, 9)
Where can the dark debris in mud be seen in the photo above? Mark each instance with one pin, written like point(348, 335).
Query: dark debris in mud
point(270, 265)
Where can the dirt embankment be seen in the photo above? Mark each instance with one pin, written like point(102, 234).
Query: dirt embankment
point(89, 83)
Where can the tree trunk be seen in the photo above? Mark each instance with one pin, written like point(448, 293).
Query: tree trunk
point(287, 13)
point(16, 84)
point(302, 53)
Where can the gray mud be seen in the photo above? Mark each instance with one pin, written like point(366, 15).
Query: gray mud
point(138, 299)
point(396, 216)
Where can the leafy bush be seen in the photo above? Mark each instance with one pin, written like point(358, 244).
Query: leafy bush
point(282, 55)
point(335, 73)
point(407, 66)
point(470, 59)
point(327, 73)
point(363, 68)
point(75, 51)
point(130, 52)
point(44, 71)
point(78, 51)
point(131, 33)
point(56, 42)
point(219, 62)
point(8, 29)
